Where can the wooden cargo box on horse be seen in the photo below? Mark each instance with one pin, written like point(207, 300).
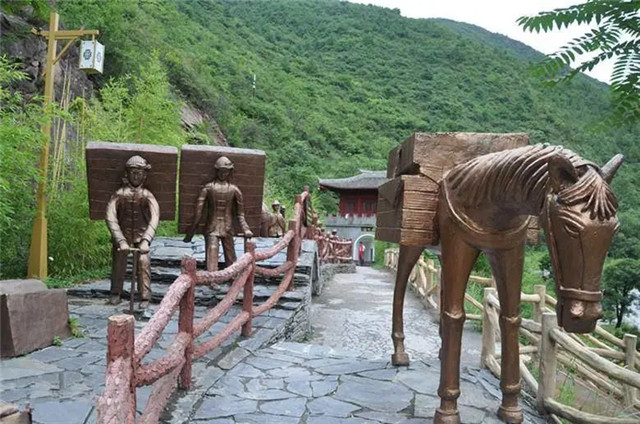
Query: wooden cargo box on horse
point(407, 204)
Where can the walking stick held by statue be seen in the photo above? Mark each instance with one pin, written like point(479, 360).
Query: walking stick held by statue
point(136, 257)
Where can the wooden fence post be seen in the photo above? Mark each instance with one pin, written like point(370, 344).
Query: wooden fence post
point(185, 321)
point(120, 339)
point(548, 361)
point(488, 330)
point(630, 342)
point(429, 275)
point(439, 283)
point(247, 299)
point(539, 307)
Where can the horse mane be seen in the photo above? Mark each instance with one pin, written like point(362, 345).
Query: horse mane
point(521, 175)
point(594, 190)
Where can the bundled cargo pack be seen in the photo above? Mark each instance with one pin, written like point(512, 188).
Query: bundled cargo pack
point(407, 204)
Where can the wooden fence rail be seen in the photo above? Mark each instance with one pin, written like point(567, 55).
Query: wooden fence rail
point(588, 356)
point(125, 371)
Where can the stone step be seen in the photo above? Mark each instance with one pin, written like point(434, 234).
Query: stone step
point(204, 296)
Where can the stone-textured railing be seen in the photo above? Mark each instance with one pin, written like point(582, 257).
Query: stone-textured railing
point(592, 358)
point(334, 250)
point(125, 371)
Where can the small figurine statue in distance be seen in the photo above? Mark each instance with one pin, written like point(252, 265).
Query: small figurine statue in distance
point(225, 204)
point(277, 227)
point(132, 218)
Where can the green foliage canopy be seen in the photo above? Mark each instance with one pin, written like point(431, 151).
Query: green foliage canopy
point(621, 280)
point(616, 35)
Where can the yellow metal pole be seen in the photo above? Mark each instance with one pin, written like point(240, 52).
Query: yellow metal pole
point(38, 253)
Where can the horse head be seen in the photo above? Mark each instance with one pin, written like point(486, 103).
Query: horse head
point(579, 219)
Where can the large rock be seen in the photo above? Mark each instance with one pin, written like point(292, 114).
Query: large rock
point(30, 316)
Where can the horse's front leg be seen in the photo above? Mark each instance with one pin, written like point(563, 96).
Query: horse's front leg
point(507, 270)
point(457, 260)
point(409, 255)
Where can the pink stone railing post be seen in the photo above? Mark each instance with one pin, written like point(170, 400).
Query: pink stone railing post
point(292, 249)
point(185, 321)
point(118, 404)
point(247, 299)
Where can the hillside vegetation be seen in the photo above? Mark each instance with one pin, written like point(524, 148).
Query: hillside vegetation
point(337, 84)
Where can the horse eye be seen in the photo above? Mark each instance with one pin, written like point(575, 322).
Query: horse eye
point(572, 229)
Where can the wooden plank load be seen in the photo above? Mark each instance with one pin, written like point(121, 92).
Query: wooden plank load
point(196, 170)
point(106, 169)
point(407, 204)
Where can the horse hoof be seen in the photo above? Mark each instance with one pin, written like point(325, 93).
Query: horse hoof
point(510, 415)
point(400, 359)
point(446, 417)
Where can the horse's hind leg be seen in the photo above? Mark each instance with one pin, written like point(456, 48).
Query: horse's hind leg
point(507, 270)
point(457, 260)
point(409, 255)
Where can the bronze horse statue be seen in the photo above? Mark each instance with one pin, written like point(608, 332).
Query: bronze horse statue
point(484, 206)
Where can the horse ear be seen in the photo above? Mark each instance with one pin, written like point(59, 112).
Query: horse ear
point(562, 173)
point(609, 170)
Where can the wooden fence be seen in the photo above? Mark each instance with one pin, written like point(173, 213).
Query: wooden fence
point(125, 371)
point(592, 357)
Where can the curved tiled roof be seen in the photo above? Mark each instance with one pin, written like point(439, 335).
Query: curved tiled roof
point(365, 180)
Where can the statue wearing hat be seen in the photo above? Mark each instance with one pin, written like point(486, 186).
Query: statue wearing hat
point(277, 226)
point(224, 205)
point(132, 217)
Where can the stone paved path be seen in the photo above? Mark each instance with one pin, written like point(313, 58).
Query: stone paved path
point(343, 375)
point(294, 383)
point(354, 312)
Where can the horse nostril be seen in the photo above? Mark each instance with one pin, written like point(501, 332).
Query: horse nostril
point(577, 309)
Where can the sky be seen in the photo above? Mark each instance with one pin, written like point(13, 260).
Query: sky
point(498, 16)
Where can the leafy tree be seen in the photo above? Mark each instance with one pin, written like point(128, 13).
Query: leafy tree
point(20, 142)
point(626, 242)
point(621, 280)
point(616, 35)
point(154, 112)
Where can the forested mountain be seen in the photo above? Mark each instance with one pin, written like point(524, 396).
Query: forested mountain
point(337, 86)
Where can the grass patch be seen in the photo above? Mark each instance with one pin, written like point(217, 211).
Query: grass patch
point(79, 278)
point(77, 329)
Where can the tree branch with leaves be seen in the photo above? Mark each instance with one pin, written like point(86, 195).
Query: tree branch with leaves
point(614, 34)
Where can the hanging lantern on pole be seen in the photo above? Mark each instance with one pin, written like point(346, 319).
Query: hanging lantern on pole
point(91, 56)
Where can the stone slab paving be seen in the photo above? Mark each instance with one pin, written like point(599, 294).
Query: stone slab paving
point(301, 383)
point(343, 375)
point(354, 312)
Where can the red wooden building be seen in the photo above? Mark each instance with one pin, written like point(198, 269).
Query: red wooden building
point(358, 194)
point(358, 206)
